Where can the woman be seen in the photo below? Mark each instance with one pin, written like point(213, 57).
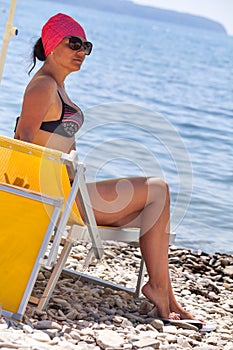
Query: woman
point(49, 118)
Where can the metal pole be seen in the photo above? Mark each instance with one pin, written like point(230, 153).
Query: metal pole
point(10, 30)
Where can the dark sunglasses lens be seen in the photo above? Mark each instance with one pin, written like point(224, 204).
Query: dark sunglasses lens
point(75, 43)
point(87, 47)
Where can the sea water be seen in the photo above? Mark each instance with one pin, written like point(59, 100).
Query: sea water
point(158, 101)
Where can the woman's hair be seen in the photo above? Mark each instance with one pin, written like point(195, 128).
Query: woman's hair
point(37, 53)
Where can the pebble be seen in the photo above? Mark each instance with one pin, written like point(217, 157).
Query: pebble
point(83, 316)
point(107, 338)
point(146, 342)
point(170, 329)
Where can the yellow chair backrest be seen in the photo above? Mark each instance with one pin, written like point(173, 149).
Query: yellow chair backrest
point(24, 222)
point(36, 168)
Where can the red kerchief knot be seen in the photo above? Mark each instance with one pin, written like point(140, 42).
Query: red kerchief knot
point(58, 27)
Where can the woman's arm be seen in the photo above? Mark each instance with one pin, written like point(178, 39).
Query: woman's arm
point(73, 147)
point(70, 174)
point(39, 98)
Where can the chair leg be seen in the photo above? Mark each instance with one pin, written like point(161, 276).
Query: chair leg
point(90, 218)
point(140, 279)
point(55, 275)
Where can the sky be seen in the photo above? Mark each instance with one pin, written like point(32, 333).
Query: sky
point(218, 10)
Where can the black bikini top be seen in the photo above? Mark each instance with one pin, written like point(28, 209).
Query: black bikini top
point(69, 123)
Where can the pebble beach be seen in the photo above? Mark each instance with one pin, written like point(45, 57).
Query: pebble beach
point(83, 316)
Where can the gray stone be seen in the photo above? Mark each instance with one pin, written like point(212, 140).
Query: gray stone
point(75, 335)
point(229, 270)
point(229, 337)
point(46, 324)
point(27, 329)
point(40, 336)
point(72, 314)
point(171, 338)
point(170, 329)
point(108, 338)
point(145, 307)
point(145, 342)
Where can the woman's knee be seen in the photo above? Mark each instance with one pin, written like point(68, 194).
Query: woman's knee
point(158, 189)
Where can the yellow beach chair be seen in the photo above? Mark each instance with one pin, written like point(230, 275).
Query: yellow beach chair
point(27, 223)
point(34, 168)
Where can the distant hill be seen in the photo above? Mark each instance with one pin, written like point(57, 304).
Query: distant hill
point(127, 7)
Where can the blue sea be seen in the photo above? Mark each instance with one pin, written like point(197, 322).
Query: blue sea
point(157, 99)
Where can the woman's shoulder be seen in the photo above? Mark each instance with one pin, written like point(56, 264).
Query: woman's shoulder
point(41, 84)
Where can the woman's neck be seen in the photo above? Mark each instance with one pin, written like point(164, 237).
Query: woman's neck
point(58, 76)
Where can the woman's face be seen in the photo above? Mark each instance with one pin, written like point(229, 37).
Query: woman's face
point(69, 58)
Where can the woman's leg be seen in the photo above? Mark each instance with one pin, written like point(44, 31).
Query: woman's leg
point(154, 247)
point(144, 203)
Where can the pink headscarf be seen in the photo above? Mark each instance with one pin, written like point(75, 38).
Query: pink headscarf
point(56, 28)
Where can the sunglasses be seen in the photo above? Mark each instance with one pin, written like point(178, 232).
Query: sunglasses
point(76, 44)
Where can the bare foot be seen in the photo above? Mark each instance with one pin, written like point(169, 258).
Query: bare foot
point(177, 308)
point(184, 315)
point(159, 297)
point(174, 316)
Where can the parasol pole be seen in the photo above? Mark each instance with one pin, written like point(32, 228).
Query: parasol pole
point(10, 30)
